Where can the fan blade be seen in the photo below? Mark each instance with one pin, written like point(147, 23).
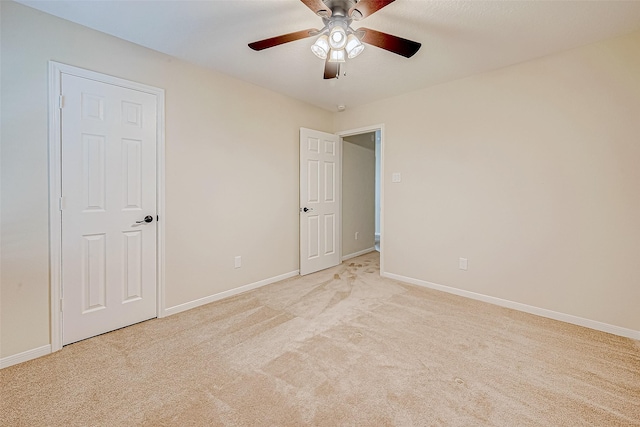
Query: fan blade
point(395, 44)
point(365, 8)
point(331, 69)
point(318, 7)
point(285, 38)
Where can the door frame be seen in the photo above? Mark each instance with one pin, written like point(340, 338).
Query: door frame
point(56, 70)
point(367, 129)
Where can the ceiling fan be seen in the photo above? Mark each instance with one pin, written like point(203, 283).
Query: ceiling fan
point(337, 40)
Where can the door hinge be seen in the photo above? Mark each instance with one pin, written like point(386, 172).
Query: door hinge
point(61, 102)
point(61, 305)
point(61, 203)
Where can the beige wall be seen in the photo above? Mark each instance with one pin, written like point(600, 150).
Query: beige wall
point(231, 169)
point(358, 197)
point(531, 172)
point(366, 140)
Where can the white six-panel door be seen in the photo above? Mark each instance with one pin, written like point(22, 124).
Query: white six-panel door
point(108, 186)
point(320, 186)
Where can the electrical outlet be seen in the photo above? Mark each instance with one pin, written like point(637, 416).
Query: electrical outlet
point(357, 234)
point(463, 263)
point(237, 262)
point(396, 177)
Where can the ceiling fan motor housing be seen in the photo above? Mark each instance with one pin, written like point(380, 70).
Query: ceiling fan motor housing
point(340, 8)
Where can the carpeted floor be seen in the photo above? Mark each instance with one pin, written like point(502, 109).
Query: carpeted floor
point(342, 347)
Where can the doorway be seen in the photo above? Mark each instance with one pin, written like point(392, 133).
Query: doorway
point(362, 190)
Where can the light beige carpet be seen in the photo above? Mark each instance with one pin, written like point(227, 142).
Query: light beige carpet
point(342, 347)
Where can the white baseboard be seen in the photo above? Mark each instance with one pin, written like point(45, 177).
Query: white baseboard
point(46, 349)
point(5, 362)
point(355, 254)
point(563, 317)
point(231, 292)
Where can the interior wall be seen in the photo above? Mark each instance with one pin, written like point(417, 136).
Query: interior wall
point(530, 172)
point(358, 195)
point(231, 169)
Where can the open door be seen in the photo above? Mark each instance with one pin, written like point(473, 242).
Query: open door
point(320, 186)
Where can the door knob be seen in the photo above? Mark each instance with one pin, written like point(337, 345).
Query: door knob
point(147, 218)
point(307, 209)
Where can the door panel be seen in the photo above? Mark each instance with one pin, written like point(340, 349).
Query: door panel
point(108, 183)
point(320, 195)
point(94, 274)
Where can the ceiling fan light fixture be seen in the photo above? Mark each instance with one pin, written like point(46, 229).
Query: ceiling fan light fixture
point(321, 47)
point(337, 55)
point(336, 40)
point(337, 37)
point(354, 47)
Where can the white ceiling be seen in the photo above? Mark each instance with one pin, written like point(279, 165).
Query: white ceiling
point(459, 38)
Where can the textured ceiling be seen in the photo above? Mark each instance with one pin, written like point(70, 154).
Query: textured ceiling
point(459, 38)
